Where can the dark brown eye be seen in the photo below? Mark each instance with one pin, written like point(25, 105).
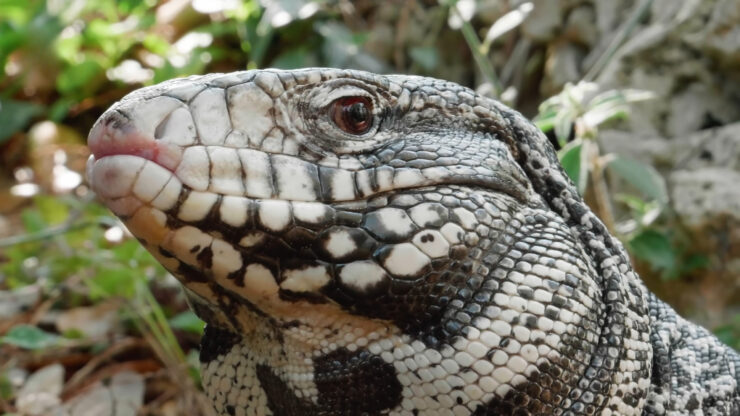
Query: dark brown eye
point(354, 115)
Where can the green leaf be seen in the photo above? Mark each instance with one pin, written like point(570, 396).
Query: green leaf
point(613, 104)
point(295, 58)
point(60, 108)
point(33, 221)
point(602, 113)
point(643, 177)
point(10, 39)
point(18, 11)
point(52, 209)
point(188, 321)
point(73, 333)
point(193, 360)
point(6, 389)
point(621, 97)
point(68, 47)
point(156, 44)
point(165, 72)
point(126, 251)
point(730, 332)
point(114, 282)
point(645, 212)
point(341, 47)
point(572, 159)
point(564, 120)
point(728, 335)
point(694, 262)
point(545, 120)
point(635, 203)
point(77, 79)
point(29, 337)
point(126, 7)
point(656, 249)
point(15, 116)
point(426, 57)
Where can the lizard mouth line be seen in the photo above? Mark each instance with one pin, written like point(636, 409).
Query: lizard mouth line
point(151, 173)
point(233, 171)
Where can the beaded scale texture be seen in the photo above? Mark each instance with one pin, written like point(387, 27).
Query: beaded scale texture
point(368, 244)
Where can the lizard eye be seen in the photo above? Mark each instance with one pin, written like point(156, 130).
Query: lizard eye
point(354, 115)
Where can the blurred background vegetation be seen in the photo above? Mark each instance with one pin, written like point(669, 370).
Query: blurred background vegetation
point(641, 97)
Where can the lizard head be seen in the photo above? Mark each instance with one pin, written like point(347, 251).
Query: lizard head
point(330, 222)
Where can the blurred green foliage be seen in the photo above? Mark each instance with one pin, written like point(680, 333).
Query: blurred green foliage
point(66, 56)
point(574, 116)
point(30, 337)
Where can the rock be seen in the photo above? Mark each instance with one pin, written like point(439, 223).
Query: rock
point(609, 14)
point(581, 26)
point(687, 52)
point(702, 172)
point(687, 110)
point(40, 393)
point(544, 20)
point(648, 149)
point(721, 34)
point(708, 197)
point(671, 11)
point(646, 39)
point(124, 396)
point(717, 147)
point(13, 302)
point(93, 321)
point(563, 63)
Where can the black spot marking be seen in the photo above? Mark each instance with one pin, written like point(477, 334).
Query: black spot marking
point(350, 219)
point(374, 224)
point(203, 311)
point(188, 273)
point(310, 297)
point(539, 395)
point(355, 383)
point(215, 342)
point(280, 398)
point(300, 238)
point(427, 238)
point(205, 258)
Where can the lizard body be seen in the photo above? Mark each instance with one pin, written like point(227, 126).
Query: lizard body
point(367, 244)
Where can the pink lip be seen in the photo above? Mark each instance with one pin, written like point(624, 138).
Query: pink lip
point(113, 135)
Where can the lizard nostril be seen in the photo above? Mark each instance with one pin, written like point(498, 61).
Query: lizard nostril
point(161, 129)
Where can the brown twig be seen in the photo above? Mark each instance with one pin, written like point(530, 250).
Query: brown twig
point(399, 53)
point(83, 373)
point(600, 191)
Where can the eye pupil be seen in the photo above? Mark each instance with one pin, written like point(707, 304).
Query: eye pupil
point(358, 113)
point(353, 114)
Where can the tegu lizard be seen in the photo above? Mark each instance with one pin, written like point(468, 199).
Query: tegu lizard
point(370, 244)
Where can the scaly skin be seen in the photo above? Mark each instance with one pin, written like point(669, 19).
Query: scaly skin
point(439, 263)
